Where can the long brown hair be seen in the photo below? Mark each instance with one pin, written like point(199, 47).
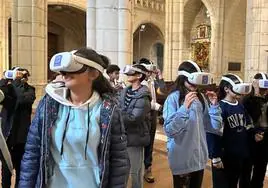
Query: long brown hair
point(101, 84)
point(179, 83)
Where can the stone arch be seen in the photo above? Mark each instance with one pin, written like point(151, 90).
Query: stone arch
point(209, 4)
point(81, 4)
point(144, 41)
point(64, 35)
point(142, 16)
point(156, 25)
point(216, 9)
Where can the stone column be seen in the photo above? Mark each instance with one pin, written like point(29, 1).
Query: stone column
point(3, 37)
point(174, 38)
point(109, 29)
point(217, 26)
point(29, 39)
point(256, 55)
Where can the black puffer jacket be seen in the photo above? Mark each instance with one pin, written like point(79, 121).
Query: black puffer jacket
point(113, 158)
point(9, 105)
point(256, 107)
point(136, 116)
point(25, 94)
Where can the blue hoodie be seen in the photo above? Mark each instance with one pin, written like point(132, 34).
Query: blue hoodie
point(186, 132)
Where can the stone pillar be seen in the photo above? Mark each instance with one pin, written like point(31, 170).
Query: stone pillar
point(217, 26)
point(109, 29)
point(3, 37)
point(256, 55)
point(29, 39)
point(174, 38)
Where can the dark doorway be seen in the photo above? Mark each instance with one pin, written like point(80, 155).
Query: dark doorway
point(52, 50)
point(160, 55)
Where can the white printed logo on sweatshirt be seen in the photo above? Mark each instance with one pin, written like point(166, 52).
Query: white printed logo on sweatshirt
point(237, 121)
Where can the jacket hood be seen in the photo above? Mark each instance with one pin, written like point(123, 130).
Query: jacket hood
point(60, 94)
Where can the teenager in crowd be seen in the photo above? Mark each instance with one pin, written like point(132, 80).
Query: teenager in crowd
point(236, 132)
point(256, 105)
point(77, 138)
point(154, 82)
point(186, 117)
point(135, 104)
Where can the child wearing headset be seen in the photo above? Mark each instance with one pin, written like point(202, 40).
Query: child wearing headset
point(135, 104)
point(77, 137)
point(187, 114)
point(234, 147)
point(256, 105)
point(154, 82)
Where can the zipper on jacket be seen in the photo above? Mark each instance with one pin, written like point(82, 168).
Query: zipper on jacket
point(42, 148)
point(199, 136)
point(105, 146)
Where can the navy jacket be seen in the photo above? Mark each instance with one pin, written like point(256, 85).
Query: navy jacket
point(36, 165)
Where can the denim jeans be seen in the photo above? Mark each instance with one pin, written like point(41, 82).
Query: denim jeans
point(136, 166)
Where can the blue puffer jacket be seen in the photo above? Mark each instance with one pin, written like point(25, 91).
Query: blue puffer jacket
point(36, 166)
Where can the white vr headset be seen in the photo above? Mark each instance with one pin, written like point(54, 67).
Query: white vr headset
point(130, 70)
point(241, 88)
point(150, 67)
point(263, 83)
point(69, 62)
point(197, 78)
point(11, 74)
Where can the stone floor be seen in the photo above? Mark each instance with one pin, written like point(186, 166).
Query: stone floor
point(161, 169)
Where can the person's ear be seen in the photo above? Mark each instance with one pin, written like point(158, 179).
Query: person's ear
point(93, 74)
point(140, 76)
point(226, 89)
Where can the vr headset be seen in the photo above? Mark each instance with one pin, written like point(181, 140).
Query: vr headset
point(12, 74)
point(130, 70)
point(241, 88)
point(197, 78)
point(150, 67)
point(69, 62)
point(263, 83)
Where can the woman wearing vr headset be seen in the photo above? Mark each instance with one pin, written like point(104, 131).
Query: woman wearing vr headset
point(231, 154)
point(187, 114)
point(135, 105)
point(77, 138)
point(256, 105)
